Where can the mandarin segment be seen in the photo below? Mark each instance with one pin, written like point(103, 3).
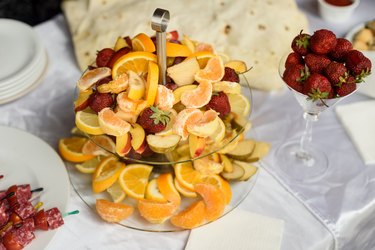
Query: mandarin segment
point(191, 217)
point(213, 198)
point(156, 212)
point(168, 189)
point(213, 71)
point(113, 212)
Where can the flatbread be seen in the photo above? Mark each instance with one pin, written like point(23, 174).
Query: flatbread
point(258, 32)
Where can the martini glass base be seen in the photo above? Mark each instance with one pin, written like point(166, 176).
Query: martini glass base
point(299, 165)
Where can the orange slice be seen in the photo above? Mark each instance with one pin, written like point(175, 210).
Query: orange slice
point(112, 212)
point(134, 179)
point(111, 124)
point(214, 199)
point(214, 71)
point(71, 149)
point(134, 61)
point(167, 188)
point(184, 191)
point(219, 182)
point(156, 212)
point(202, 57)
point(106, 173)
point(191, 217)
point(88, 122)
point(175, 49)
point(99, 145)
point(143, 42)
point(152, 82)
point(153, 192)
point(187, 175)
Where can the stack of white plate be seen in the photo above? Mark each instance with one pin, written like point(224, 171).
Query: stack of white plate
point(23, 60)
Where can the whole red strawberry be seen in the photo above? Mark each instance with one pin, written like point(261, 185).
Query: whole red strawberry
point(316, 63)
point(220, 103)
point(230, 75)
point(103, 57)
point(336, 73)
point(153, 120)
point(342, 47)
point(99, 101)
point(346, 88)
point(317, 87)
point(358, 65)
point(323, 41)
point(300, 44)
point(295, 76)
point(292, 59)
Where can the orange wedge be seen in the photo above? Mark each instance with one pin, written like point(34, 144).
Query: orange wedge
point(152, 82)
point(219, 182)
point(153, 192)
point(106, 173)
point(167, 188)
point(134, 61)
point(213, 198)
point(111, 124)
point(191, 217)
point(156, 212)
point(99, 145)
point(175, 49)
point(112, 212)
point(202, 57)
point(134, 179)
point(71, 149)
point(184, 191)
point(187, 175)
point(143, 42)
point(214, 71)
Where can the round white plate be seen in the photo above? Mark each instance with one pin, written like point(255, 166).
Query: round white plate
point(24, 158)
point(19, 49)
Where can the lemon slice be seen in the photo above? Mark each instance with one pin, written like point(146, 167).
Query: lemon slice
point(88, 167)
point(88, 122)
point(239, 104)
point(116, 192)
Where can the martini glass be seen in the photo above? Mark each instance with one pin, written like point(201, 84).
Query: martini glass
point(302, 159)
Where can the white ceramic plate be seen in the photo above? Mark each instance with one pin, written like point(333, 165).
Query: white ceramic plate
point(20, 48)
point(368, 87)
point(24, 158)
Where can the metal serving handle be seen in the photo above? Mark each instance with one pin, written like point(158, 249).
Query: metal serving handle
point(159, 23)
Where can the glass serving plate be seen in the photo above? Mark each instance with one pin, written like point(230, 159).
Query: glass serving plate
point(162, 163)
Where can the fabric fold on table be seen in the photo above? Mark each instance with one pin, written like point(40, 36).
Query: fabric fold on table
point(238, 230)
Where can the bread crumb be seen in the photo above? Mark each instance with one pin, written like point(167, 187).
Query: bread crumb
point(227, 29)
point(261, 27)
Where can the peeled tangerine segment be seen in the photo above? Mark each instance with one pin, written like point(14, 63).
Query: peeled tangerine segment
point(92, 76)
point(113, 212)
point(213, 198)
point(198, 97)
point(112, 124)
point(191, 217)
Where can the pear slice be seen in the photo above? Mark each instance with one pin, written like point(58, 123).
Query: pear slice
point(248, 168)
point(236, 174)
point(243, 150)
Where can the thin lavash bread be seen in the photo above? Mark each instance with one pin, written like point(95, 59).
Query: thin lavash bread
point(258, 32)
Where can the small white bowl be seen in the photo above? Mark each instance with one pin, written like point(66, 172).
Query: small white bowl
point(336, 14)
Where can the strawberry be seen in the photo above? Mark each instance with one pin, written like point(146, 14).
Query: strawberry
point(153, 120)
point(316, 63)
point(230, 75)
point(117, 55)
point(300, 44)
point(220, 103)
point(346, 88)
point(295, 76)
point(323, 41)
point(357, 64)
point(293, 58)
point(336, 73)
point(342, 47)
point(317, 87)
point(103, 57)
point(99, 101)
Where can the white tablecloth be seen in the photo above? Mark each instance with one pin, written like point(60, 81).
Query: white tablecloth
point(335, 213)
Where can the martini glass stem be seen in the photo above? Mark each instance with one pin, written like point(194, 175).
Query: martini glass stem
point(306, 139)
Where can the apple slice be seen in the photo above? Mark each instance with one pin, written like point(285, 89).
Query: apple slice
point(204, 129)
point(178, 92)
point(228, 167)
point(261, 149)
point(120, 43)
point(162, 144)
point(123, 144)
point(138, 136)
point(237, 65)
point(249, 169)
point(82, 101)
point(196, 145)
point(236, 174)
point(184, 72)
point(243, 150)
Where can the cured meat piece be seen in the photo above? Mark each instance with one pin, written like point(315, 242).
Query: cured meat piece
point(18, 238)
point(3, 193)
point(54, 218)
point(25, 210)
point(40, 220)
point(22, 193)
point(29, 224)
point(4, 214)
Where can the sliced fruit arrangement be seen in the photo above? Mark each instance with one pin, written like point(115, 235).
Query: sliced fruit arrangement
point(121, 96)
